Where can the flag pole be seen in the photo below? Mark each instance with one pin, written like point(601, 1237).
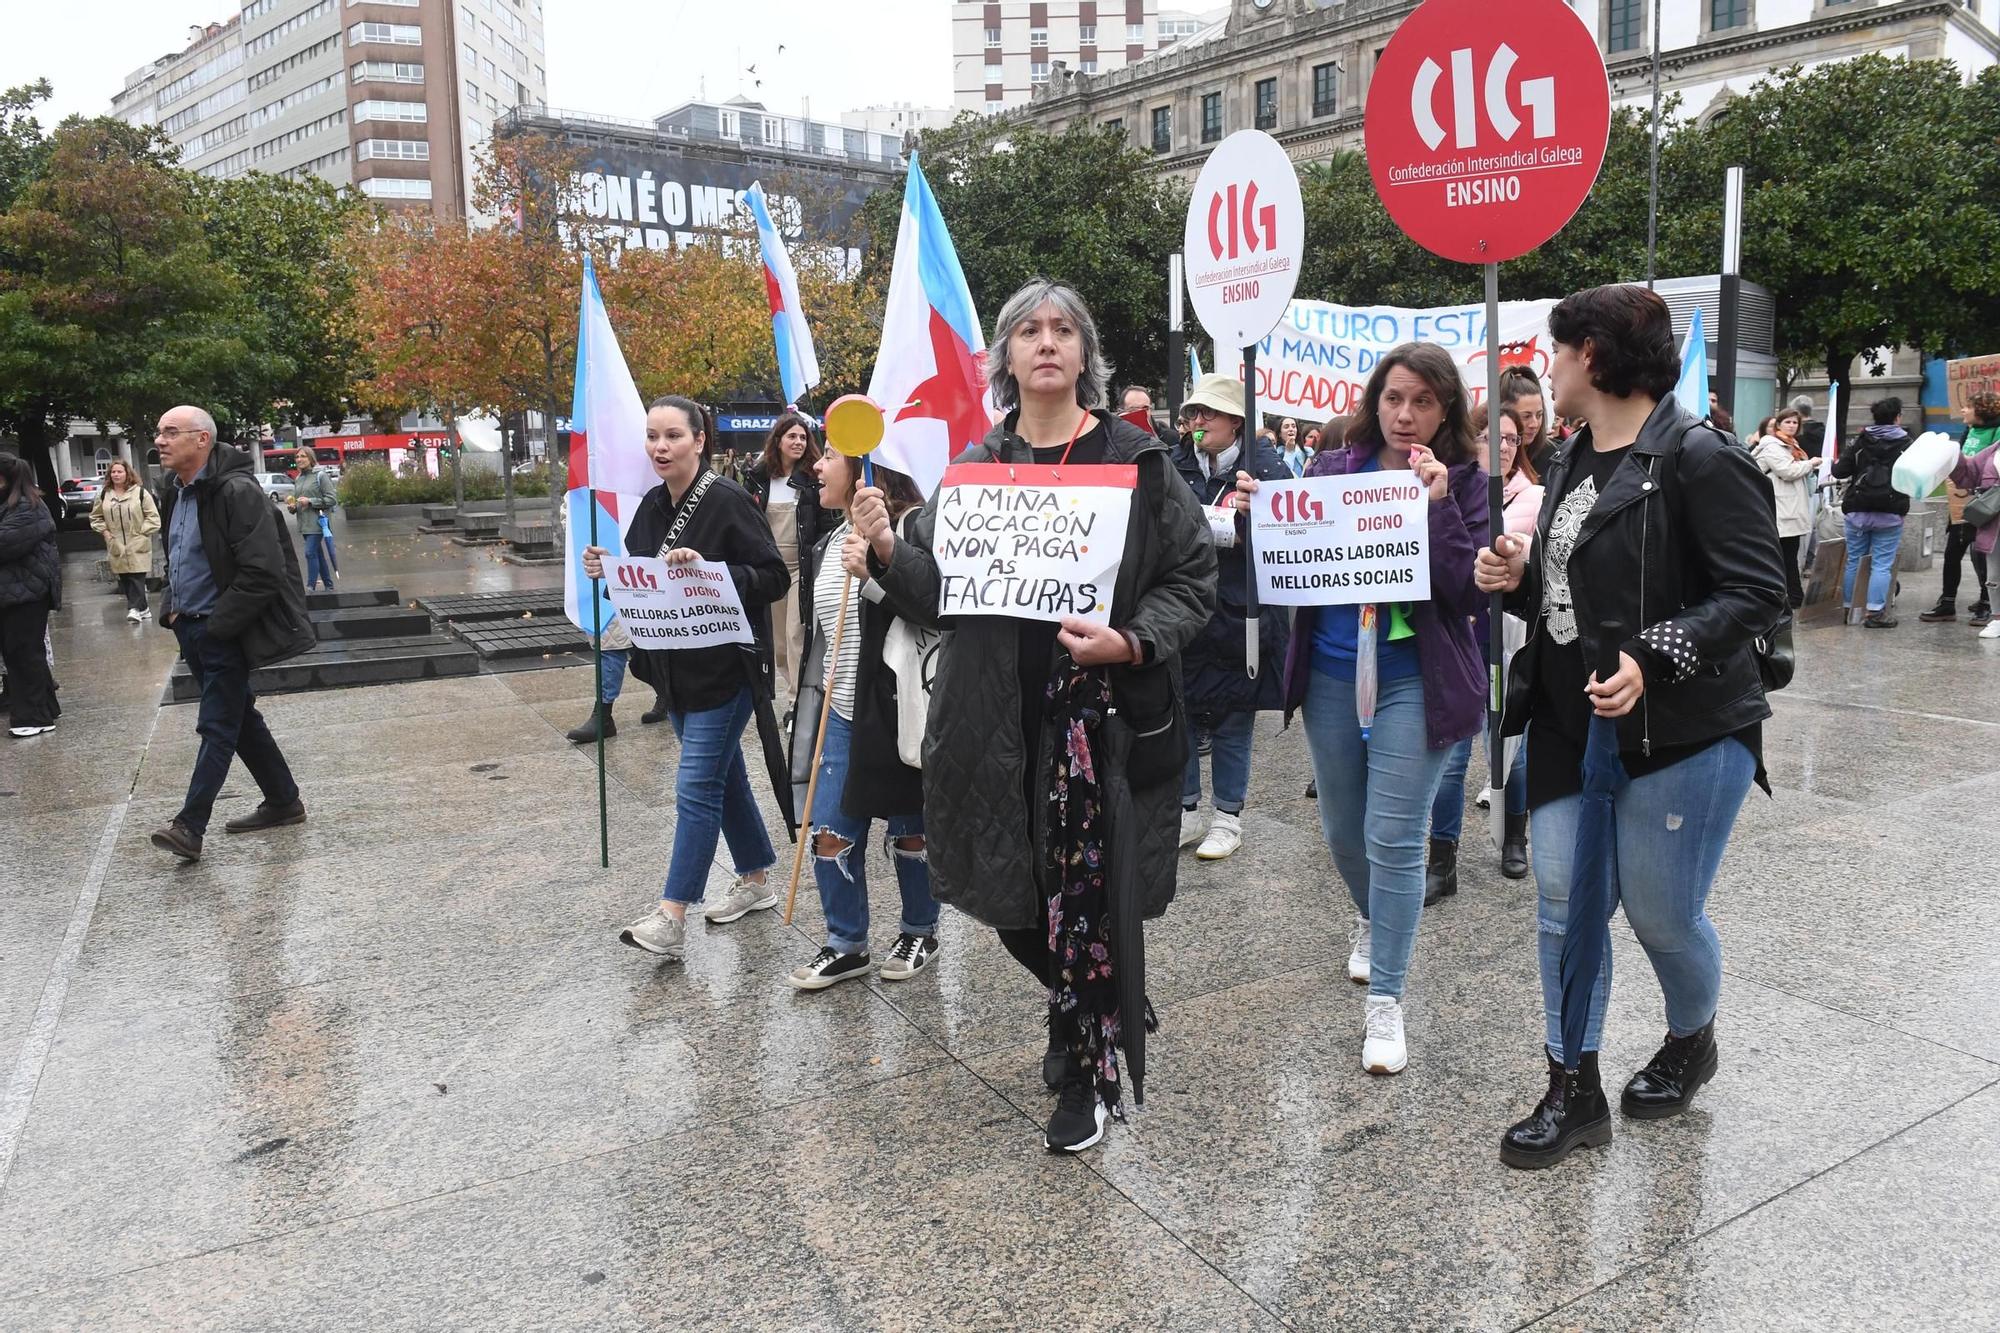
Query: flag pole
point(1496, 527)
point(597, 696)
point(819, 746)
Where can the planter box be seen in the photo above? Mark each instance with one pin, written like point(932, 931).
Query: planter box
point(359, 513)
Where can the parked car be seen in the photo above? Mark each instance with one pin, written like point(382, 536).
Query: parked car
point(79, 494)
point(276, 485)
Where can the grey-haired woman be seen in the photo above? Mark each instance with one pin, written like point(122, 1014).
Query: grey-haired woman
point(1035, 726)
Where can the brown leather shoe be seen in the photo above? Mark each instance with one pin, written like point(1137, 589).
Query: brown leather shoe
point(179, 839)
point(266, 816)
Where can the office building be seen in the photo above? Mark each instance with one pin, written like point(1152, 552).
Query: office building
point(1002, 53)
point(393, 97)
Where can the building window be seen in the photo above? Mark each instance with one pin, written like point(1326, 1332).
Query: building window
point(774, 131)
point(1038, 37)
point(1326, 89)
point(1086, 34)
point(383, 71)
point(992, 39)
point(1267, 104)
point(995, 104)
point(1726, 14)
point(388, 187)
point(1624, 25)
point(393, 150)
point(729, 124)
point(1087, 66)
point(391, 34)
point(1211, 117)
point(1163, 129)
point(375, 109)
point(1038, 71)
point(1116, 124)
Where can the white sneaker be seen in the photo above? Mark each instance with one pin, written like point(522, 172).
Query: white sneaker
point(1357, 958)
point(657, 932)
point(744, 897)
point(135, 615)
point(1225, 835)
point(1194, 826)
point(1485, 798)
point(1384, 1052)
point(1992, 631)
point(22, 733)
point(145, 613)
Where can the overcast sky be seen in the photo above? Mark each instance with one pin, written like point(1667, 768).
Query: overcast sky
point(630, 58)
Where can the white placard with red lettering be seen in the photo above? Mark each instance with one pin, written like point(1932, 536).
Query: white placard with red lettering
point(1487, 124)
point(1245, 233)
point(1031, 542)
point(668, 607)
point(1332, 541)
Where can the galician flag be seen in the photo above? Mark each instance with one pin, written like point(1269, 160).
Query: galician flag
point(608, 463)
point(798, 362)
point(1693, 387)
point(930, 374)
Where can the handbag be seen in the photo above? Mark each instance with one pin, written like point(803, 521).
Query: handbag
point(1777, 658)
point(911, 652)
point(1984, 507)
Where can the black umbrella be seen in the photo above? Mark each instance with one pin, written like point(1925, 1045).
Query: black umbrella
point(1588, 936)
point(1128, 935)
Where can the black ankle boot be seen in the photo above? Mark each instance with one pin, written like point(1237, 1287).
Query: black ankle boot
point(1441, 875)
point(1514, 848)
point(1055, 1061)
point(1946, 609)
point(1573, 1114)
point(1670, 1080)
point(585, 732)
point(657, 713)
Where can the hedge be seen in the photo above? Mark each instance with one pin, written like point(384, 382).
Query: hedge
point(375, 484)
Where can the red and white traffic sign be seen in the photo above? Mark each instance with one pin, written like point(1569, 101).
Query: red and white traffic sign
point(1487, 124)
point(1246, 229)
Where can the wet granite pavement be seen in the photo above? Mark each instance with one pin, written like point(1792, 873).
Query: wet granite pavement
point(390, 1069)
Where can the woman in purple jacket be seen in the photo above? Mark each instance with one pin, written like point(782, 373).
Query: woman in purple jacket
point(1377, 775)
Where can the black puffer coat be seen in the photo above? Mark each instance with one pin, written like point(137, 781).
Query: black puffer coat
point(983, 841)
point(1213, 671)
point(250, 555)
point(1682, 548)
point(30, 568)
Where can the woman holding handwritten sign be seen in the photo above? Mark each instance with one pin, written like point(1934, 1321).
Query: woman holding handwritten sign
point(710, 693)
point(1039, 729)
point(1378, 754)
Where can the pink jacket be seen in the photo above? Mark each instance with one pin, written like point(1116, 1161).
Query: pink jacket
point(1524, 506)
point(1976, 474)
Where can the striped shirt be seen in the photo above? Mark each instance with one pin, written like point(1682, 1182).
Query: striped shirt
point(827, 581)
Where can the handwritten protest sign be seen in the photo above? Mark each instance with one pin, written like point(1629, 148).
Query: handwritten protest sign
point(1031, 542)
point(1316, 363)
point(1973, 374)
point(1331, 541)
point(676, 606)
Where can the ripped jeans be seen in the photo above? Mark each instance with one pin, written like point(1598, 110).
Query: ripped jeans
point(843, 877)
point(1672, 828)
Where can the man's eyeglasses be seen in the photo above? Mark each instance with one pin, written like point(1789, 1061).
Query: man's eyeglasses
point(170, 432)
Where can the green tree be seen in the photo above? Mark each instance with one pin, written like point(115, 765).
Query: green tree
point(1082, 207)
point(24, 147)
point(282, 240)
point(1868, 207)
point(108, 283)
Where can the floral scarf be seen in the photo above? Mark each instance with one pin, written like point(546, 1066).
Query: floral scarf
point(1082, 990)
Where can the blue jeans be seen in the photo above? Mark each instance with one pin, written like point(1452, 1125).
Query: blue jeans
point(318, 571)
point(843, 876)
point(1229, 759)
point(1878, 546)
point(615, 662)
point(1448, 810)
point(1672, 827)
point(712, 798)
point(1374, 808)
point(229, 725)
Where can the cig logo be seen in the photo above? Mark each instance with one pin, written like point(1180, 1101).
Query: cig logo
point(631, 576)
point(1233, 223)
point(1296, 507)
point(1538, 95)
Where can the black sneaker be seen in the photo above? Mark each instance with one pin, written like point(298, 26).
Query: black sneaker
point(829, 969)
point(911, 955)
point(1055, 1060)
point(1981, 615)
point(1080, 1115)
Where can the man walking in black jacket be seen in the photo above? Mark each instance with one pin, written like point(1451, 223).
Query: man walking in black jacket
point(234, 601)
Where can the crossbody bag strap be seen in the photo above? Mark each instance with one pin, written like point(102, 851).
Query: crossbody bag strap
point(701, 485)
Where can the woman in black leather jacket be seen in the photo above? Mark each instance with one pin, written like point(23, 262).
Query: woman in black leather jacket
point(783, 484)
point(1657, 522)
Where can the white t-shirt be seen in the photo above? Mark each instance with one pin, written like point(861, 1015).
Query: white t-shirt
point(782, 493)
